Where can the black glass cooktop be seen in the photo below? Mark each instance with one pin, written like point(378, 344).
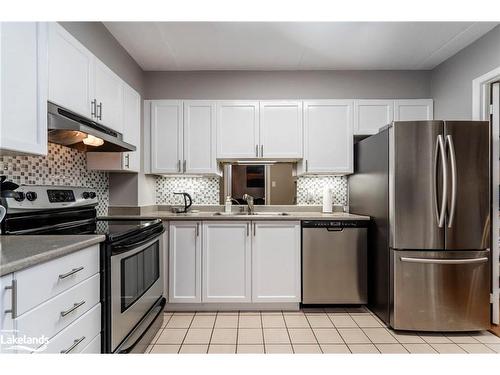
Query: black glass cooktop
point(115, 229)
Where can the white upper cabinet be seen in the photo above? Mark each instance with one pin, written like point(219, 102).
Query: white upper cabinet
point(108, 93)
point(227, 261)
point(281, 129)
point(125, 161)
point(184, 261)
point(413, 110)
point(371, 115)
point(166, 136)
point(199, 137)
point(70, 72)
point(23, 87)
point(237, 129)
point(276, 262)
point(328, 137)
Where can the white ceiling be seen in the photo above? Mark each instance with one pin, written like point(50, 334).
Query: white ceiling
point(294, 45)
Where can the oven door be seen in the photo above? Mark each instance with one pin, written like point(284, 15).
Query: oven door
point(136, 284)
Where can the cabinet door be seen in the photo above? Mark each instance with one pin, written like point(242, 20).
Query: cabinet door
point(328, 133)
point(237, 129)
point(70, 72)
point(108, 92)
point(166, 136)
point(199, 137)
point(6, 323)
point(371, 115)
point(185, 261)
point(276, 262)
point(226, 262)
point(132, 128)
point(23, 87)
point(413, 110)
point(281, 129)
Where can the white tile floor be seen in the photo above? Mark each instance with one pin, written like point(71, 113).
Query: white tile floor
point(330, 330)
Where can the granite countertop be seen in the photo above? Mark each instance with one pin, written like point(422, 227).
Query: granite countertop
point(19, 252)
point(210, 215)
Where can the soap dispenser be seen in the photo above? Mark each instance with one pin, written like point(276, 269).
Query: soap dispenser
point(229, 204)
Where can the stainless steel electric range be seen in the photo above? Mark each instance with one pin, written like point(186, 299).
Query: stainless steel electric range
point(132, 257)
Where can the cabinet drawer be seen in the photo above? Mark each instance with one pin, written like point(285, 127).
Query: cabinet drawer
point(78, 335)
point(94, 347)
point(47, 319)
point(42, 282)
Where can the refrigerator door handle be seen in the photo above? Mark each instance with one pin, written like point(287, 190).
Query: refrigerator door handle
point(454, 184)
point(444, 261)
point(440, 152)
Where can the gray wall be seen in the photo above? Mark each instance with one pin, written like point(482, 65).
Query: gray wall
point(451, 81)
point(286, 84)
point(101, 43)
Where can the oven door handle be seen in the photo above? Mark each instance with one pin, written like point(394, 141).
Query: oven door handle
point(118, 249)
point(54, 227)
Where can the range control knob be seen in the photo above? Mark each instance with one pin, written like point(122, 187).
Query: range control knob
point(20, 196)
point(92, 195)
point(86, 195)
point(31, 196)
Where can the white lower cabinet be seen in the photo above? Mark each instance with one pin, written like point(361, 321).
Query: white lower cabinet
point(6, 321)
point(241, 261)
point(226, 262)
point(276, 262)
point(185, 261)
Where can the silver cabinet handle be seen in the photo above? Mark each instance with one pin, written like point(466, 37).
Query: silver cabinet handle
point(197, 229)
point(178, 165)
point(93, 110)
point(261, 151)
point(72, 272)
point(73, 346)
point(257, 150)
point(99, 107)
point(444, 261)
point(453, 162)
point(248, 229)
point(254, 229)
point(307, 165)
point(71, 309)
point(184, 166)
point(127, 160)
point(13, 299)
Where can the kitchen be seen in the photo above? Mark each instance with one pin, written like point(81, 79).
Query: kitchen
point(163, 201)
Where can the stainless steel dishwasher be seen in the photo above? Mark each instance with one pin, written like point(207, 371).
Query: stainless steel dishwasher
point(334, 262)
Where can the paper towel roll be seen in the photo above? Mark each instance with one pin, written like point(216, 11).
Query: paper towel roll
point(327, 200)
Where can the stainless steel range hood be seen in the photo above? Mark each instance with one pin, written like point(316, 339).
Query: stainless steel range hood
point(72, 130)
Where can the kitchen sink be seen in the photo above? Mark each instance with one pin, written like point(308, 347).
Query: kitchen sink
point(253, 214)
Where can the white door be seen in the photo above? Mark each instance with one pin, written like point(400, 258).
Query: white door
point(276, 273)
point(237, 129)
point(371, 115)
point(199, 137)
point(166, 136)
point(70, 72)
point(281, 129)
point(227, 261)
point(6, 321)
point(328, 136)
point(132, 128)
point(413, 110)
point(23, 87)
point(108, 91)
point(184, 261)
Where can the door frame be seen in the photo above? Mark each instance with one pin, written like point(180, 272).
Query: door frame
point(481, 88)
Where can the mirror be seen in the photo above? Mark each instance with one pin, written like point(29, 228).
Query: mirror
point(269, 184)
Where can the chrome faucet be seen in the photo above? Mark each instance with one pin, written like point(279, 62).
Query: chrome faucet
point(249, 199)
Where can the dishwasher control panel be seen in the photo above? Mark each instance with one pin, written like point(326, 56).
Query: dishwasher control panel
point(335, 223)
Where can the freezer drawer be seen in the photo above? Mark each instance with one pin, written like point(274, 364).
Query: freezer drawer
point(440, 290)
point(334, 266)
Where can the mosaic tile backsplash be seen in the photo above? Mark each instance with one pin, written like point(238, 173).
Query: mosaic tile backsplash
point(62, 166)
point(310, 189)
point(205, 190)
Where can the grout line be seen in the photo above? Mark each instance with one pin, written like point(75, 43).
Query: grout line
point(288, 333)
point(314, 334)
point(262, 330)
point(189, 327)
point(237, 332)
point(212, 333)
point(336, 329)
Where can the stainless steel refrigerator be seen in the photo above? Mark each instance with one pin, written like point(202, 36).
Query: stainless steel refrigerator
point(426, 184)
